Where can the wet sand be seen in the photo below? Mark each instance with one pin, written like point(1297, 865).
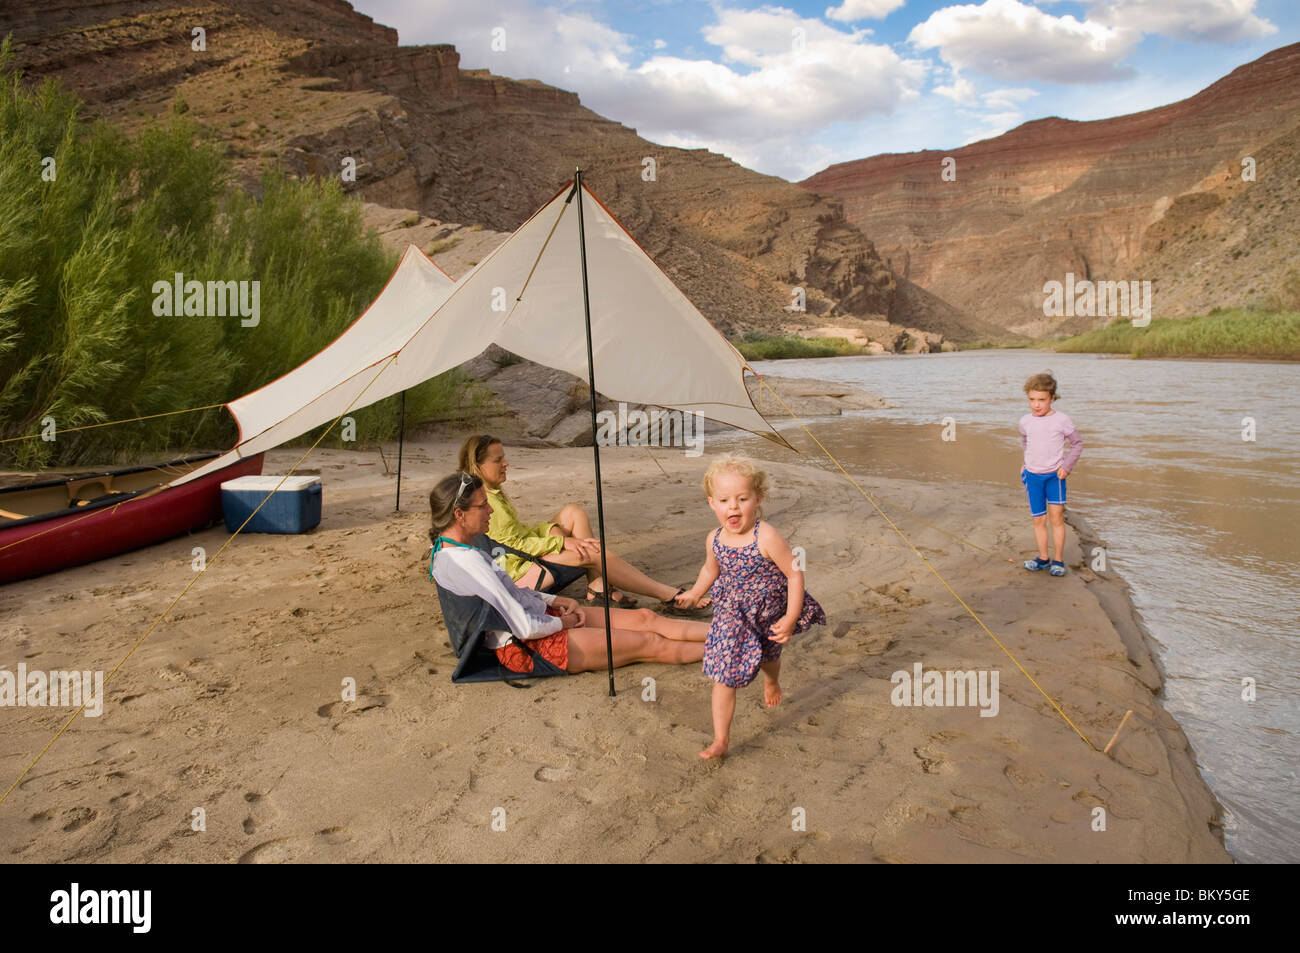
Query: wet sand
point(232, 705)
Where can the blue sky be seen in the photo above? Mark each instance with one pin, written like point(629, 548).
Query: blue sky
point(789, 88)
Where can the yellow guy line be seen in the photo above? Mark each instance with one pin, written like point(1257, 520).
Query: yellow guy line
point(114, 423)
point(937, 575)
point(207, 565)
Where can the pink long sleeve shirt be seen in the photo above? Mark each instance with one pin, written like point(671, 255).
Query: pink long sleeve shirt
point(1044, 439)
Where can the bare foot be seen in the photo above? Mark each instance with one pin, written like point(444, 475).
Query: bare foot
point(715, 750)
point(772, 692)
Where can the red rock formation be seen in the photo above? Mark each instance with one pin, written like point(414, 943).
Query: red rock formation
point(1094, 198)
point(309, 84)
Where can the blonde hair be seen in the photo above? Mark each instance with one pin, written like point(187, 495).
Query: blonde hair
point(474, 451)
point(741, 466)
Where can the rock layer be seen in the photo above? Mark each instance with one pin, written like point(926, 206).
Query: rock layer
point(1157, 195)
point(312, 84)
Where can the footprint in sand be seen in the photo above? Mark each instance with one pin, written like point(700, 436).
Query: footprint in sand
point(260, 812)
point(547, 773)
point(900, 595)
point(930, 763)
point(76, 818)
point(363, 703)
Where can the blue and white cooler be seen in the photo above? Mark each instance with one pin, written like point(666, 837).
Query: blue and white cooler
point(293, 508)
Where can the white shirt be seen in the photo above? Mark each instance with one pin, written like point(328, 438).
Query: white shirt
point(467, 571)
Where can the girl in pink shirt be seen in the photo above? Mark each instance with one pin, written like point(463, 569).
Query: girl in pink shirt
point(1044, 436)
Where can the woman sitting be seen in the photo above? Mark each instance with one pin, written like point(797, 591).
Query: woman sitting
point(530, 632)
point(566, 540)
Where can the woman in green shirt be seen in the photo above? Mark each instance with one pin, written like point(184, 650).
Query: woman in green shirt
point(568, 539)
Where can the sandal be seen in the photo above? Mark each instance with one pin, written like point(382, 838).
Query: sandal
point(1058, 568)
point(596, 599)
point(1037, 564)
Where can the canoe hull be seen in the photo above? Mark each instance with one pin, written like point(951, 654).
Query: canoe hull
point(36, 547)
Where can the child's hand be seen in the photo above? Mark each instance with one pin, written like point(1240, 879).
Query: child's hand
point(783, 628)
point(687, 600)
point(1062, 473)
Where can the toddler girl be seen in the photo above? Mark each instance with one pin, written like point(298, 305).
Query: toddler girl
point(758, 600)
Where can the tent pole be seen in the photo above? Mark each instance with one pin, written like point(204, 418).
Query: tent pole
point(595, 444)
point(401, 433)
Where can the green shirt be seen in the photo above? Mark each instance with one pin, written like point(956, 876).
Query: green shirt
point(505, 527)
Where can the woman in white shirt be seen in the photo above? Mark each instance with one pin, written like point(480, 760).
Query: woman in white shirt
point(568, 636)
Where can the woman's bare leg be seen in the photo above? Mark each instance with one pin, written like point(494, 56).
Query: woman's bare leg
point(626, 576)
point(573, 520)
point(644, 620)
point(587, 649)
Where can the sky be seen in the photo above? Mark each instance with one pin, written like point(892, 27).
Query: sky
point(789, 89)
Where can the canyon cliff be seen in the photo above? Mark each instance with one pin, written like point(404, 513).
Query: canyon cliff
point(1164, 195)
point(307, 85)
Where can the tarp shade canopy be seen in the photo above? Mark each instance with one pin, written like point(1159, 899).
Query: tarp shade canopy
point(650, 344)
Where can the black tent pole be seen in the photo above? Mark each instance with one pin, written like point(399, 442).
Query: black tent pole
point(401, 433)
point(595, 444)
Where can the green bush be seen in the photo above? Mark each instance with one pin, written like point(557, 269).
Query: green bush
point(1236, 332)
point(81, 252)
point(769, 347)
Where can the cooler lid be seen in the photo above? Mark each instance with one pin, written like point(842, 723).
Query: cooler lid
point(265, 484)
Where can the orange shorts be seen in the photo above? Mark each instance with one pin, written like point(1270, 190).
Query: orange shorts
point(553, 648)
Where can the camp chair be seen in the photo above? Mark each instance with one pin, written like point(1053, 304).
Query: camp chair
point(468, 617)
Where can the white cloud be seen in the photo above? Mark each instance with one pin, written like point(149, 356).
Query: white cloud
point(782, 75)
point(660, 44)
point(1010, 40)
point(962, 91)
point(1008, 98)
point(851, 10)
point(1205, 21)
point(995, 124)
point(779, 80)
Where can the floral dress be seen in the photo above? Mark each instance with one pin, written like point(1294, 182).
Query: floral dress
point(751, 593)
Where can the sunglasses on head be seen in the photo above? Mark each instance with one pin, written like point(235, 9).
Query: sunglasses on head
point(465, 480)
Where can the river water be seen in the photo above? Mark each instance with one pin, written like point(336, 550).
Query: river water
point(1202, 521)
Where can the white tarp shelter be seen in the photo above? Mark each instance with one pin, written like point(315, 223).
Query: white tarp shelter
point(650, 344)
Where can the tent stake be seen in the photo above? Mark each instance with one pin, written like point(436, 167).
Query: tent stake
point(401, 432)
point(1127, 715)
point(595, 444)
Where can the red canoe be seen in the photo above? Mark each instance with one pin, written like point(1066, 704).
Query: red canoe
point(60, 523)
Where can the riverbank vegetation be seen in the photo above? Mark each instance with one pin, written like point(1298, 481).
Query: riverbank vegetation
point(1234, 333)
point(771, 347)
point(93, 223)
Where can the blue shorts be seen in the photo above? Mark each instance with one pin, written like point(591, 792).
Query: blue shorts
point(1043, 488)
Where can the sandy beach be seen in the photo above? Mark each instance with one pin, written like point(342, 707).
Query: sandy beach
point(232, 705)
